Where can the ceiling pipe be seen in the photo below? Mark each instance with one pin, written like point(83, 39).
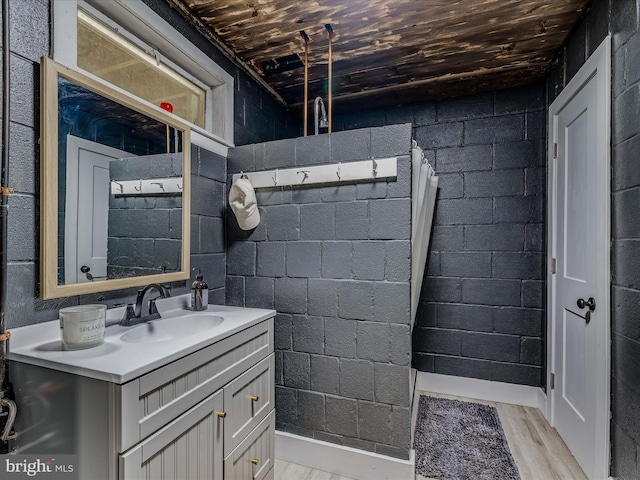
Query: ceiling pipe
point(329, 96)
point(306, 80)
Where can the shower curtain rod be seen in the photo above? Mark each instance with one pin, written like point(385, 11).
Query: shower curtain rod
point(373, 169)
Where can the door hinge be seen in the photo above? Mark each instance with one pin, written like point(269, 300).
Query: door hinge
point(555, 150)
point(553, 265)
point(552, 381)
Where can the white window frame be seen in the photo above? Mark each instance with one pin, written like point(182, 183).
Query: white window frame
point(145, 28)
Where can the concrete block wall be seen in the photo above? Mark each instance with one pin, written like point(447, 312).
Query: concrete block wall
point(619, 18)
point(334, 261)
point(481, 309)
point(30, 39)
point(145, 232)
point(208, 197)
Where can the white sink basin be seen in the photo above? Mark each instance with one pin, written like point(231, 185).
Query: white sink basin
point(163, 330)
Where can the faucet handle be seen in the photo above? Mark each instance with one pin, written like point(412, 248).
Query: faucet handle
point(129, 313)
point(152, 305)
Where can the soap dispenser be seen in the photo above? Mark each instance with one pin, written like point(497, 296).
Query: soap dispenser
point(199, 293)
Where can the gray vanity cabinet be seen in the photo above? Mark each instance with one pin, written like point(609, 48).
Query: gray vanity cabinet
point(206, 416)
point(182, 420)
point(151, 401)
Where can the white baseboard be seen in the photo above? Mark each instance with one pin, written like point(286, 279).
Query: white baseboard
point(341, 460)
point(543, 404)
point(478, 389)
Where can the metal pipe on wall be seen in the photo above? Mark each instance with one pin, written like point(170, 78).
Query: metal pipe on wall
point(306, 81)
point(329, 95)
point(4, 176)
point(4, 210)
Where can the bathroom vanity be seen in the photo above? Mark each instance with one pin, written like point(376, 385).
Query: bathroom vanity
point(189, 396)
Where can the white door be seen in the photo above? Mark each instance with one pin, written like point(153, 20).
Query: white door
point(87, 209)
point(579, 289)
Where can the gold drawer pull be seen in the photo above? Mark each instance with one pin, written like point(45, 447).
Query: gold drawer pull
point(254, 398)
point(222, 414)
point(255, 461)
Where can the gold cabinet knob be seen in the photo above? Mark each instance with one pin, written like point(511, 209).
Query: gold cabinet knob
point(222, 414)
point(254, 398)
point(255, 461)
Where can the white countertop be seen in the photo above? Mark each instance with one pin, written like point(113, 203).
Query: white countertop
point(120, 361)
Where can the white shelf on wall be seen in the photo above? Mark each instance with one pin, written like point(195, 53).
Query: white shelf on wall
point(373, 169)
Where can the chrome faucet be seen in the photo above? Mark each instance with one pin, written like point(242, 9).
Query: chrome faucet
point(133, 314)
point(164, 293)
point(319, 121)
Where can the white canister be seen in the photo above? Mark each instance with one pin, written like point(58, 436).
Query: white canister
point(82, 326)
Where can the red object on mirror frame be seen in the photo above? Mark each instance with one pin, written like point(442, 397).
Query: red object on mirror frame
point(167, 106)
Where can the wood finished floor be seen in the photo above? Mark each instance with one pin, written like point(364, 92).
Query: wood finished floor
point(537, 449)
point(293, 471)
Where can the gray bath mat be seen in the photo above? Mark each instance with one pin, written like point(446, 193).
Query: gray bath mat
point(461, 440)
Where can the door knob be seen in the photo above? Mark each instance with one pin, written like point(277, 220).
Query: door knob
point(591, 303)
point(85, 269)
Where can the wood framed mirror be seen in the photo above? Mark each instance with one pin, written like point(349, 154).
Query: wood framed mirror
point(115, 188)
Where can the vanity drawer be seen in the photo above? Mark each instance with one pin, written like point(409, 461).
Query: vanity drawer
point(190, 447)
point(254, 458)
point(153, 400)
point(247, 400)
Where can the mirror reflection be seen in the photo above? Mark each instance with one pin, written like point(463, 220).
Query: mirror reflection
point(119, 189)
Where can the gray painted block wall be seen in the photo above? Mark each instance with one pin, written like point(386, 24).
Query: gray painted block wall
point(481, 309)
point(334, 261)
point(625, 254)
point(620, 19)
point(145, 231)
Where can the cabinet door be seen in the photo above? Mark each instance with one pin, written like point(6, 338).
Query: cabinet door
point(189, 448)
point(254, 458)
point(247, 400)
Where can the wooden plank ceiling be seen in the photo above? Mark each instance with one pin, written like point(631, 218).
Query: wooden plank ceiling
point(389, 52)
